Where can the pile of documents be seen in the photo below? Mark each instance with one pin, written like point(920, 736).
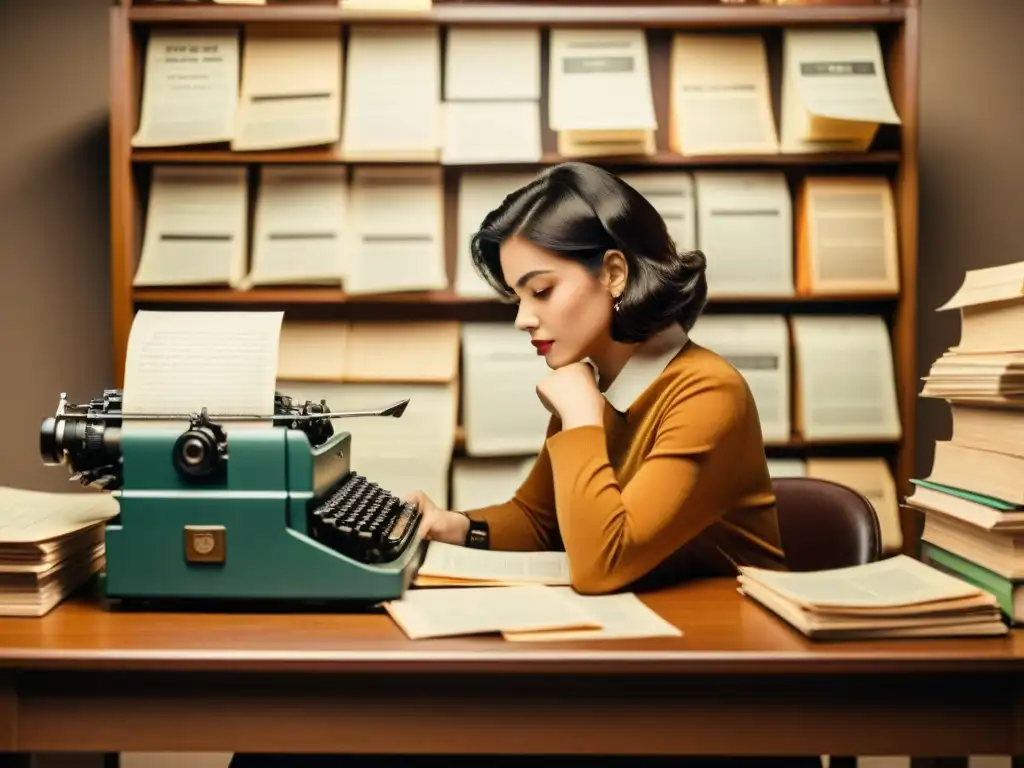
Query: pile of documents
point(973, 500)
point(895, 597)
point(50, 544)
point(522, 596)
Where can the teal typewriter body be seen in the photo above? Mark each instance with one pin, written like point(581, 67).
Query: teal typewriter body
point(264, 513)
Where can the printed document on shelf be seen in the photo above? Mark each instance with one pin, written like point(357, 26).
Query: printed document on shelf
point(500, 410)
point(834, 90)
point(196, 230)
point(312, 350)
point(480, 192)
point(599, 80)
point(492, 89)
point(180, 362)
point(745, 221)
point(720, 98)
point(299, 226)
point(189, 89)
point(758, 347)
point(479, 482)
point(392, 94)
point(291, 88)
point(396, 230)
point(845, 379)
point(846, 235)
point(672, 195)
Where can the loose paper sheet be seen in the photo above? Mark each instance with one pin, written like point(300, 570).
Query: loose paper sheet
point(29, 517)
point(452, 562)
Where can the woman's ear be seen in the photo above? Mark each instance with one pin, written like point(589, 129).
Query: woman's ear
point(614, 272)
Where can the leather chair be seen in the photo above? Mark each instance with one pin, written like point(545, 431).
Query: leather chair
point(825, 525)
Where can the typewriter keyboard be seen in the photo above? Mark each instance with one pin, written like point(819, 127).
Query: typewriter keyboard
point(363, 521)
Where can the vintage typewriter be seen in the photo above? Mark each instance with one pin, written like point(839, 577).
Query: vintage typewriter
point(258, 514)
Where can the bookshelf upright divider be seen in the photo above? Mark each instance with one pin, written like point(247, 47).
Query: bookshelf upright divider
point(898, 25)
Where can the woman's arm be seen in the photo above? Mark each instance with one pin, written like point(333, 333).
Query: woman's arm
point(526, 521)
point(614, 535)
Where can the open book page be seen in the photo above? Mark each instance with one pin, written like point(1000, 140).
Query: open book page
point(844, 378)
point(28, 517)
point(758, 347)
point(291, 87)
point(720, 100)
point(492, 567)
point(190, 88)
point(897, 582)
point(299, 227)
point(180, 362)
point(196, 227)
point(451, 612)
point(622, 617)
point(746, 220)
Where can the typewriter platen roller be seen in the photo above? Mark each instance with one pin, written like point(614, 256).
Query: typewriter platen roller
point(212, 512)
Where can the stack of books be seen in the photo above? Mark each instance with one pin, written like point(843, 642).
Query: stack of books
point(973, 499)
point(50, 545)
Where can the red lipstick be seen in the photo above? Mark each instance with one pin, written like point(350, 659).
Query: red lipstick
point(542, 346)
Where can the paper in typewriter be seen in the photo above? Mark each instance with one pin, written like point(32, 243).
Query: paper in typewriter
point(196, 227)
point(423, 613)
point(299, 228)
point(291, 88)
point(450, 565)
point(845, 381)
point(190, 89)
point(179, 362)
point(720, 100)
point(758, 346)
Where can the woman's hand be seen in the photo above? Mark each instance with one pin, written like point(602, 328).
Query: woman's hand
point(439, 524)
point(571, 393)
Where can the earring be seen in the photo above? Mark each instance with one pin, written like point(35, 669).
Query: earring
point(617, 304)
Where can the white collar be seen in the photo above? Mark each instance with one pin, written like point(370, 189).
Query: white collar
point(647, 364)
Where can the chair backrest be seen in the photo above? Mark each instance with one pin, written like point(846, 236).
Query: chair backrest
point(825, 525)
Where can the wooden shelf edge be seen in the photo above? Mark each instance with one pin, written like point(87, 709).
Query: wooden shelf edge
point(315, 295)
point(534, 14)
point(330, 156)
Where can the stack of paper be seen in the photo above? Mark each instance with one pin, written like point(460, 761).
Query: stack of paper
point(973, 499)
point(897, 597)
point(523, 596)
point(50, 544)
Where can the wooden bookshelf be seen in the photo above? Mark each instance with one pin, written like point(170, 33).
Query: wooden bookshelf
point(894, 155)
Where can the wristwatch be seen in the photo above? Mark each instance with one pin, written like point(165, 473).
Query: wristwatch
point(479, 534)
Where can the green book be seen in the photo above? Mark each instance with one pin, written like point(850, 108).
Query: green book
point(977, 498)
point(1005, 590)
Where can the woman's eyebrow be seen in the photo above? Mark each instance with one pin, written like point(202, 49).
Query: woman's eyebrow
point(529, 276)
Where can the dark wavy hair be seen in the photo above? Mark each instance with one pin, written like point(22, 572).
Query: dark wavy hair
point(579, 211)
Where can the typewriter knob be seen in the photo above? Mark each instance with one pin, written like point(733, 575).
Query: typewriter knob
point(197, 453)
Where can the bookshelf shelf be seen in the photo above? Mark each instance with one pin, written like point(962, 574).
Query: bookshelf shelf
point(322, 295)
point(894, 155)
point(659, 160)
point(532, 14)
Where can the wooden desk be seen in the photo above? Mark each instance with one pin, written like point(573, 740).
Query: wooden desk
point(738, 682)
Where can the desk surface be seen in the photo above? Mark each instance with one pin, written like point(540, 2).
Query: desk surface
point(724, 633)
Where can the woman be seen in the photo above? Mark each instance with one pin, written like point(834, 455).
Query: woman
point(653, 468)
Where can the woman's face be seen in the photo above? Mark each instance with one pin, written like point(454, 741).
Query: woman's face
point(566, 310)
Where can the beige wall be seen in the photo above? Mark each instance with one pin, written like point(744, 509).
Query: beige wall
point(53, 197)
